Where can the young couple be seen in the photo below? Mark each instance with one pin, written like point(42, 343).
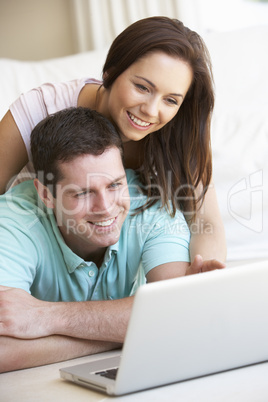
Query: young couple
point(161, 86)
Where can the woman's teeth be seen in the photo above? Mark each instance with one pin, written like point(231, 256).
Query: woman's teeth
point(104, 223)
point(138, 121)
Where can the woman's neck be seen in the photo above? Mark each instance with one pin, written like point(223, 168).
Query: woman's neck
point(89, 96)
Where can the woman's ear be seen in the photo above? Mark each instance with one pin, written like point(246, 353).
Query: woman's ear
point(108, 75)
point(44, 194)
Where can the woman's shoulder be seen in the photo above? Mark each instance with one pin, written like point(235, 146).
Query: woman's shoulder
point(88, 92)
point(53, 96)
point(65, 93)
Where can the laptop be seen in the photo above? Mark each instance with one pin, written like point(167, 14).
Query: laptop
point(185, 328)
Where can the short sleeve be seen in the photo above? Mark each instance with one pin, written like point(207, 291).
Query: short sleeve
point(33, 106)
point(168, 241)
point(18, 257)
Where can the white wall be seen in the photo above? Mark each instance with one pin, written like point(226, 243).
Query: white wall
point(41, 29)
point(227, 15)
point(36, 29)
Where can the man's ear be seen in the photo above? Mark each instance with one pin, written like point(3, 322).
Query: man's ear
point(44, 193)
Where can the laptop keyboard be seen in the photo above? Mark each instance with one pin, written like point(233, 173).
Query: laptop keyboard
point(111, 373)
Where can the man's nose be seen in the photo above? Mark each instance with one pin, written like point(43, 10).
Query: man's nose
point(102, 203)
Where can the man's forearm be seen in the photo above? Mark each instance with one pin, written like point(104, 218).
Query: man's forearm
point(16, 354)
point(91, 320)
point(96, 320)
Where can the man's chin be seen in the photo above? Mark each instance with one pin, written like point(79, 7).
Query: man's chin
point(104, 238)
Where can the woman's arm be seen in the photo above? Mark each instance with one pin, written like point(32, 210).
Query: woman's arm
point(207, 231)
point(13, 154)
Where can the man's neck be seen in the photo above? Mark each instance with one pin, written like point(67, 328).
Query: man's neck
point(86, 252)
point(83, 249)
point(97, 258)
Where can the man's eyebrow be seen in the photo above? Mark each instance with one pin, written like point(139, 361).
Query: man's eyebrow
point(85, 189)
point(154, 86)
point(123, 176)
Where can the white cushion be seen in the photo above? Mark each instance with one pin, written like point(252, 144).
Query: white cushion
point(240, 138)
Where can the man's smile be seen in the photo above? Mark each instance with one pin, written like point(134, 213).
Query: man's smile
point(104, 223)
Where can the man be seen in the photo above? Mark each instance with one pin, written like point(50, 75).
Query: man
point(73, 247)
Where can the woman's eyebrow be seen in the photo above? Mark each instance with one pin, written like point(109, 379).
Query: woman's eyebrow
point(154, 86)
point(145, 79)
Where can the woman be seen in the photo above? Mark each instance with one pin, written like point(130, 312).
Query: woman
point(156, 80)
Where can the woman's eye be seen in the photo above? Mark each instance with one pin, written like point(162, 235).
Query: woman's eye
point(142, 87)
point(172, 101)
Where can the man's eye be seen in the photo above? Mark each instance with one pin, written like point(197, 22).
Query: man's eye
point(82, 194)
point(115, 185)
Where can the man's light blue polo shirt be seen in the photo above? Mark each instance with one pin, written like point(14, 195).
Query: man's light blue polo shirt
point(34, 256)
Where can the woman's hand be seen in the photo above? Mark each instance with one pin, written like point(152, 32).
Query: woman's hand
point(199, 265)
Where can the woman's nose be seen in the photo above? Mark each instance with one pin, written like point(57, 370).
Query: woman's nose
point(150, 108)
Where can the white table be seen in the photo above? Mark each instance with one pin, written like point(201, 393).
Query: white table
point(248, 384)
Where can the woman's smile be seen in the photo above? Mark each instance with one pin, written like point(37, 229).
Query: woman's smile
point(137, 122)
point(144, 98)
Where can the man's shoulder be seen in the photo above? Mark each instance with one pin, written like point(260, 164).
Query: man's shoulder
point(137, 196)
point(132, 177)
point(21, 202)
point(24, 191)
point(154, 216)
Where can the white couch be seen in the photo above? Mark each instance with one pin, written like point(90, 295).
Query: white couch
point(239, 126)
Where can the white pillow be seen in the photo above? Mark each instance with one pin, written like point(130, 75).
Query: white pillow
point(240, 138)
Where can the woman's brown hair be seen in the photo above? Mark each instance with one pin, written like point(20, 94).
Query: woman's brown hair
point(177, 158)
